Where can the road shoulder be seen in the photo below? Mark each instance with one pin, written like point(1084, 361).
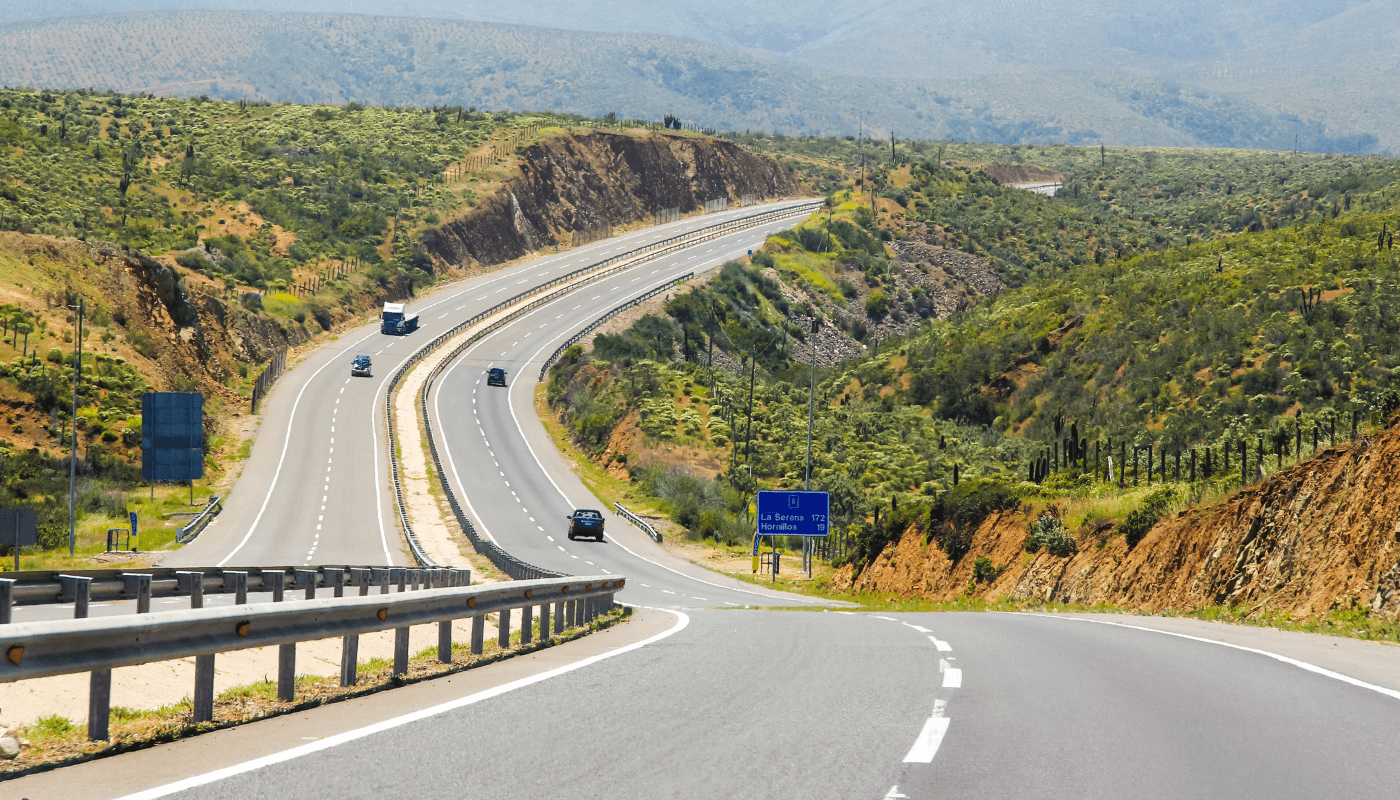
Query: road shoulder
point(1373, 662)
point(186, 758)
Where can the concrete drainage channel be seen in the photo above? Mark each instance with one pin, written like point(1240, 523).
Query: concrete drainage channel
point(502, 314)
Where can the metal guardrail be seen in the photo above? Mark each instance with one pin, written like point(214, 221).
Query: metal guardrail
point(595, 324)
point(40, 587)
point(98, 645)
point(187, 533)
point(593, 272)
point(639, 522)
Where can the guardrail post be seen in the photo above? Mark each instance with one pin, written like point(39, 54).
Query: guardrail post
point(445, 641)
point(306, 579)
point(240, 586)
point(99, 703)
point(413, 580)
point(503, 628)
point(7, 600)
point(78, 588)
point(138, 584)
point(192, 582)
point(380, 577)
point(527, 624)
point(478, 634)
point(544, 620)
point(335, 578)
point(398, 576)
point(349, 658)
point(559, 617)
point(287, 672)
point(359, 577)
point(204, 688)
point(275, 582)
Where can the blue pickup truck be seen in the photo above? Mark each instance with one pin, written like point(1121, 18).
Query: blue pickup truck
point(586, 523)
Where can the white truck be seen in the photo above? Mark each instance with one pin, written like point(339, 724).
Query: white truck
point(396, 321)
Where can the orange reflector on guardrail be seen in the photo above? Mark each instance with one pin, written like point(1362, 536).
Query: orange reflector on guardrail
point(243, 628)
point(15, 654)
point(383, 614)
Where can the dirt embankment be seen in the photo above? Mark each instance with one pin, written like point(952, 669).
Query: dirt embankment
point(158, 321)
point(1320, 536)
point(581, 182)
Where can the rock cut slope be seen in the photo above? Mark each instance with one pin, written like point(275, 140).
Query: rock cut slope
point(1323, 535)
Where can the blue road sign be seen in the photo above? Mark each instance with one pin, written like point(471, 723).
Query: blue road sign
point(794, 513)
point(172, 436)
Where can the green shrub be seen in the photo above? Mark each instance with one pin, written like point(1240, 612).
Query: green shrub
point(1141, 520)
point(1049, 533)
point(983, 571)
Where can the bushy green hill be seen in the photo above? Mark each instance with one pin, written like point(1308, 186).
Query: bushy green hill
point(1179, 299)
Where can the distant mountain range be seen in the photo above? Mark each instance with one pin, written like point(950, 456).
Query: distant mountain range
point(1260, 73)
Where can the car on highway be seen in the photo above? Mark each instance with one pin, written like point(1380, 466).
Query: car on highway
point(495, 377)
point(359, 368)
point(586, 523)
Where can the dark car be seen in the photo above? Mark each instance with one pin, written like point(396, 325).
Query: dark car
point(586, 523)
point(495, 377)
point(360, 367)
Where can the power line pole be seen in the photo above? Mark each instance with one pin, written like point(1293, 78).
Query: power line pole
point(73, 452)
point(811, 407)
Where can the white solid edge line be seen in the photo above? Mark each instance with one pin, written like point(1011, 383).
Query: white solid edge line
point(374, 443)
point(379, 727)
point(286, 440)
point(569, 502)
point(1323, 671)
point(926, 746)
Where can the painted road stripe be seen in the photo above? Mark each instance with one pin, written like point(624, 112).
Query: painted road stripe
point(917, 628)
point(943, 647)
point(379, 727)
point(926, 746)
point(952, 676)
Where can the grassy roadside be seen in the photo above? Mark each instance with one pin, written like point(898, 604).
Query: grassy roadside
point(56, 741)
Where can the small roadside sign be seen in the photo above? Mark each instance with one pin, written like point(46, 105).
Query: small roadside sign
point(794, 513)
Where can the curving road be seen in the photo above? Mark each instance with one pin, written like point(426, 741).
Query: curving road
point(314, 489)
point(516, 486)
point(694, 699)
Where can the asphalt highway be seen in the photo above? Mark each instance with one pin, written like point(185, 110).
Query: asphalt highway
point(314, 490)
point(517, 487)
point(768, 704)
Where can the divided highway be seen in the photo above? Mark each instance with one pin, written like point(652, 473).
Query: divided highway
point(714, 702)
point(314, 489)
point(516, 486)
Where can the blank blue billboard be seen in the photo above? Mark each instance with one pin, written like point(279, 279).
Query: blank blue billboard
point(172, 436)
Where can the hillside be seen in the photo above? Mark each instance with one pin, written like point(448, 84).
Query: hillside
point(747, 67)
point(1316, 538)
point(1250, 312)
point(207, 238)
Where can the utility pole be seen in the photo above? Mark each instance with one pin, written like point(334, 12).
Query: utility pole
point(811, 407)
point(73, 451)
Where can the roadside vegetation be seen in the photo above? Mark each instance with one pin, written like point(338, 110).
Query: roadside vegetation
point(1187, 300)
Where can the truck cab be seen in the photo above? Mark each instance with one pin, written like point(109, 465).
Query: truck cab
point(396, 321)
